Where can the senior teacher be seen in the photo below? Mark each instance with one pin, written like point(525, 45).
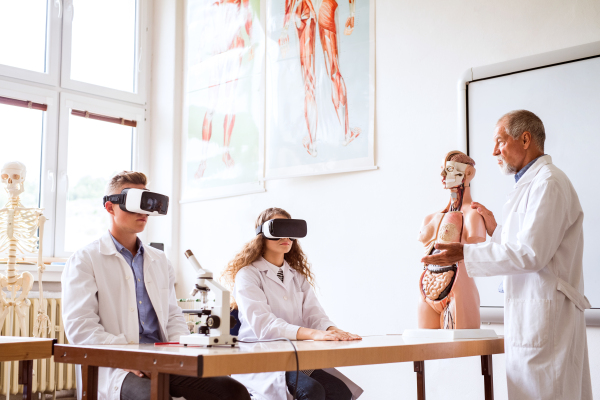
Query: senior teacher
point(539, 250)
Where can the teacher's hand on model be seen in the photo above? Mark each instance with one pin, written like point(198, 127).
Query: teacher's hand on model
point(348, 335)
point(450, 254)
point(488, 217)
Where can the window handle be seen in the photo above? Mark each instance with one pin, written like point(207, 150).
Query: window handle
point(66, 179)
point(139, 61)
point(58, 3)
point(52, 180)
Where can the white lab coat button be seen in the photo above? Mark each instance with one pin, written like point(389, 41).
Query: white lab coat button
point(131, 309)
point(285, 297)
point(116, 388)
point(127, 277)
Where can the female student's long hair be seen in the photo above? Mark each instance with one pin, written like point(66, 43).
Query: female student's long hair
point(254, 249)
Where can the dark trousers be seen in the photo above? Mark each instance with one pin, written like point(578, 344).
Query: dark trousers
point(220, 388)
point(318, 386)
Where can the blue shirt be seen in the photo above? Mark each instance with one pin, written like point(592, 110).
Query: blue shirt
point(520, 174)
point(147, 319)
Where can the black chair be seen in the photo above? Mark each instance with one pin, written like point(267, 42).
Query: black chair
point(235, 329)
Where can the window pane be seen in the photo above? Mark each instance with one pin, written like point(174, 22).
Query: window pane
point(21, 130)
point(23, 34)
point(106, 59)
point(97, 151)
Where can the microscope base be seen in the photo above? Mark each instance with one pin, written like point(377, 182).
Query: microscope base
point(197, 339)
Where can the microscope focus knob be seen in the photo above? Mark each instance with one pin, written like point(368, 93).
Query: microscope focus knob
point(213, 322)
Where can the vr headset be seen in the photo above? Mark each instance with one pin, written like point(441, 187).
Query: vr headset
point(141, 201)
point(275, 229)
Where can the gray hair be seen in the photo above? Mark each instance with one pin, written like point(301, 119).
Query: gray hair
point(518, 121)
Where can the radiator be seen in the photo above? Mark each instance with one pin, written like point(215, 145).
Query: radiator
point(48, 376)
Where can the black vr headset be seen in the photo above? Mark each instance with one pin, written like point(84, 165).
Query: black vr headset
point(141, 201)
point(275, 229)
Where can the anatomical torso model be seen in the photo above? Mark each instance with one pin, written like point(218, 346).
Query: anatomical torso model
point(449, 297)
point(18, 235)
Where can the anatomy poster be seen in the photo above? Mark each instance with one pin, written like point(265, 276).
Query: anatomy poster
point(224, 99)
point(320, 86)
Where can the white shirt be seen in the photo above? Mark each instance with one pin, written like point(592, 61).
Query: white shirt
point(99, 303)
point(270, 309)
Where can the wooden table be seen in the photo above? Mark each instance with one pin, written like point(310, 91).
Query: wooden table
point(162, 361)
point(25, 350)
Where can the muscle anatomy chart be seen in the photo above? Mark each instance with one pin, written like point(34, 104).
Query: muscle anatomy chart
point(319, 85)
point(224, 99)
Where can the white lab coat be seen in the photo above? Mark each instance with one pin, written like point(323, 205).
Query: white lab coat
point(99, 303)
point(539, 249)
point(270, 309)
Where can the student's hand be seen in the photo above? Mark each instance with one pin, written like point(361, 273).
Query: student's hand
point(328, 335)
point(141, 374)
point(348, 335)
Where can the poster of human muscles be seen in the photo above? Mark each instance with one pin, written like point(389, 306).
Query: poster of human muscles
point(320, 86)
point(223, 141)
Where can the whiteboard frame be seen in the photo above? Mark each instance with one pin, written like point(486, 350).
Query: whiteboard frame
point(537, 61)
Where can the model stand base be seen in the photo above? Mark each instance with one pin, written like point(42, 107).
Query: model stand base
point(197, 339)
point(449, 334)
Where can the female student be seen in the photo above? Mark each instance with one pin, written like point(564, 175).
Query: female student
point(274, 294)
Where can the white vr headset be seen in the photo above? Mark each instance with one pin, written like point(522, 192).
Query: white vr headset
point(275, 229)
point(141, 201)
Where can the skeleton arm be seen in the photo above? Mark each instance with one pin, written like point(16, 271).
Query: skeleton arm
point(352, 7)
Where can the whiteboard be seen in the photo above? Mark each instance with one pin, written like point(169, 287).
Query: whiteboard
point(567, 99)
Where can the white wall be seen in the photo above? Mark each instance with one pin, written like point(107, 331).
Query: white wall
point(363, 226)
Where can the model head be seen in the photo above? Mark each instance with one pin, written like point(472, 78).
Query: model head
point(127, 221)
point(519, 136)
point(457, 169)
point(257, 247)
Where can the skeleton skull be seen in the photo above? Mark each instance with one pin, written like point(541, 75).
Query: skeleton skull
point(13, 175)
point(454, 173)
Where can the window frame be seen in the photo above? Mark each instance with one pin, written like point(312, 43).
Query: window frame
point(141, 57)
point(49, 155)
point(70, 101)
point(53, 47)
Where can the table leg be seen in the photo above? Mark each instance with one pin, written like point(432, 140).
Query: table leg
point(487, 370)
point(160, 386)
point(89, 381)
point(420, 370)
point(26, 377)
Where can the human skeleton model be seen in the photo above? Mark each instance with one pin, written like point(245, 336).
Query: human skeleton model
point(449, 297)
point(18, 227)
point(306, 18)
point(227, 22)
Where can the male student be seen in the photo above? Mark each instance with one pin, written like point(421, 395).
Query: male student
point(115, 290)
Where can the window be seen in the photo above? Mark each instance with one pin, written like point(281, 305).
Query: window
point(24, 24)
point(105, 64)
point(87, 123)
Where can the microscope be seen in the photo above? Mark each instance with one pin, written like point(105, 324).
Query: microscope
point(215, 320)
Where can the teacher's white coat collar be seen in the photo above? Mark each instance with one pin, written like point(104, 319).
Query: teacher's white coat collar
point(533, 170)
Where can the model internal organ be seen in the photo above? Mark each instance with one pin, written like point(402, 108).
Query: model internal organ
point(449, 297)
point(228, 26)
point(435, 284)
point(18, 228)
point(306, 19)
